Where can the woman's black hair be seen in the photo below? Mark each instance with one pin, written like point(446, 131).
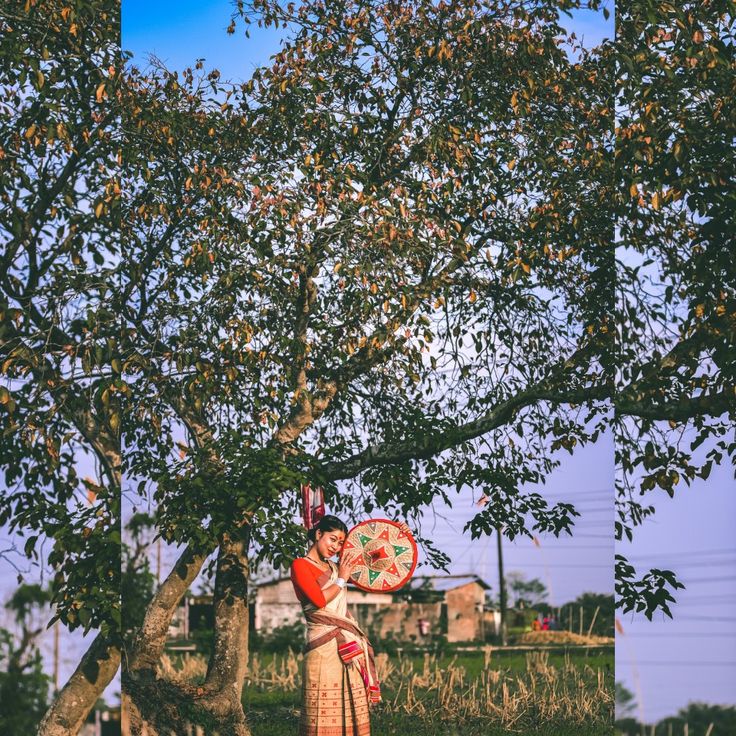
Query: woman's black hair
point(327, 524)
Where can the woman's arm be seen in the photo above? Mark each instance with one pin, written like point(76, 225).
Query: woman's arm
point(304, 581)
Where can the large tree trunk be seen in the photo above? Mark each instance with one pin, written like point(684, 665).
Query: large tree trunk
point(227, 666)
point(151, 706)
point(155, 707)
point(75, 700)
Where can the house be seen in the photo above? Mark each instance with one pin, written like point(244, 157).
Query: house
point(447, 605)
point(451, 605)
point(429, 606)
point(277, 605)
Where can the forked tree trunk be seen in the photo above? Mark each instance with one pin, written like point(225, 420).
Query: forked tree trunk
point(150, 640)
point(146, 699)
point(75, 700)
point(155, 707)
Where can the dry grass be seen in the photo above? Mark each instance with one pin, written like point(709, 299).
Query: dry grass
point(190, 669)
point(562, 637)
point(541, 693)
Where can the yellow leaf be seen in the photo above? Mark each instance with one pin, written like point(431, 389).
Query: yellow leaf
point(100, 93)
point(308, 160)
point(634, 190)
point(472, 296)
point(655, 201)
point(512, 164)
point(99, 208)
point(30, 132)
point(337, 267)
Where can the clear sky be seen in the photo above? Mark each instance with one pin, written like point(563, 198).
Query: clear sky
point(668, 662)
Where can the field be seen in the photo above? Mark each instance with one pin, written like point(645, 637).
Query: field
point(487, 693)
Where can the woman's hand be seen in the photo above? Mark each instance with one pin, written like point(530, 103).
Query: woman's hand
point(347, 563)
point(405, 528)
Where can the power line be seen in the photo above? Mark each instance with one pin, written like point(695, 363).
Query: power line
point(684, 634)
point(693, 553)
point(674, 663)
point(722, 579)
point(554, 566)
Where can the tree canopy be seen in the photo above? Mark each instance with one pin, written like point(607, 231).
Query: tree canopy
point(676, 279)
point(383, 263)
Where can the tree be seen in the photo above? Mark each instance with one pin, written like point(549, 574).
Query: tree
point(24, 687)
point(625, 701)
point(137, 581)
point(381, 264)
point(676, 279)
point(527, 593)
point(699, 716)
point(393, 281)
point(60, 399)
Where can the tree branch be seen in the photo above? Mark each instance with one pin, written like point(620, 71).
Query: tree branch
point(429, 445)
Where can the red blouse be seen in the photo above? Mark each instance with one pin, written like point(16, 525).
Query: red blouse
point(304, 577)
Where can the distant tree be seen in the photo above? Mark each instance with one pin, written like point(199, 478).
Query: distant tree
point(24, 687)
point(625, 701)
point(699, 716)
point(600, 605)
point(526, 593)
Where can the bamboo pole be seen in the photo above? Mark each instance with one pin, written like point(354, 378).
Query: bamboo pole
point(595, 614)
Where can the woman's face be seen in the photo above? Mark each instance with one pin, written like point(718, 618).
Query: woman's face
point(329, 543)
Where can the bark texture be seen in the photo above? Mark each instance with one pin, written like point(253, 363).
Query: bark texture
point(75, 700)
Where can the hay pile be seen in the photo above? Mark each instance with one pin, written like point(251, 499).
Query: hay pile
point(561, 637)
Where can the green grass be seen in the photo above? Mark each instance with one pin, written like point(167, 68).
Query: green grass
point(278, 720)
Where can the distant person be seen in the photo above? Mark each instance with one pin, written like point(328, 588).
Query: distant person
point(536, 625)
point(545, 623)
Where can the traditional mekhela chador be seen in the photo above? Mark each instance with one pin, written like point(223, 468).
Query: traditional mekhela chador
point(339, 678)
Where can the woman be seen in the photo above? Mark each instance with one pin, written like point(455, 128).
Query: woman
point(339, 675)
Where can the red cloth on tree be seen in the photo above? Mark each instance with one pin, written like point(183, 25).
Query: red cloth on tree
point(304, 576)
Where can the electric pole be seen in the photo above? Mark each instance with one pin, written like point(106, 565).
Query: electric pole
point(501, 587)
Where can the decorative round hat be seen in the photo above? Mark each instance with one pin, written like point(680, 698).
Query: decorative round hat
point(388, 555)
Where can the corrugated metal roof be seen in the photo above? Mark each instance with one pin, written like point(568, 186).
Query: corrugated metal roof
point(447, 582)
